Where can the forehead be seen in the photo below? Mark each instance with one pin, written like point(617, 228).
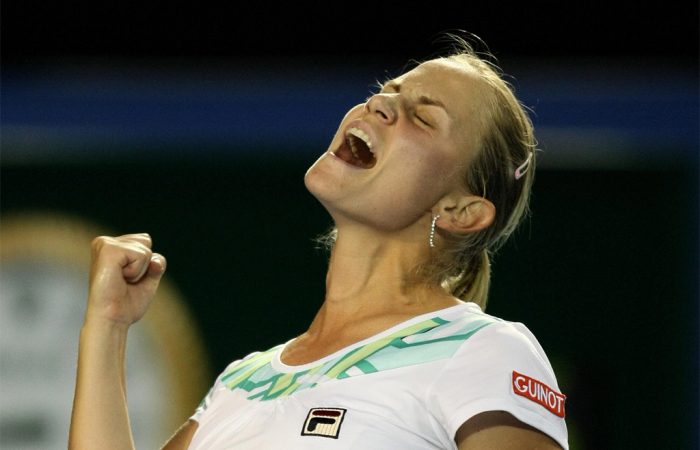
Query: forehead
point(453, 83)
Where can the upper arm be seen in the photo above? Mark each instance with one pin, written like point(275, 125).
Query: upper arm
point(182, 437)
point(499, 430)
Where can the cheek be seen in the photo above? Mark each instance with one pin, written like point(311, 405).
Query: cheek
point(430, 165)
point(421, 180)
point(437, 176)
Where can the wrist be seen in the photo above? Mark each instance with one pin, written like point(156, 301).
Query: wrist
point(95, 325)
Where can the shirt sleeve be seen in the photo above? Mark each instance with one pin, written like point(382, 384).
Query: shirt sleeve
point(216, 389)
point(501, 368)
point(206, 401)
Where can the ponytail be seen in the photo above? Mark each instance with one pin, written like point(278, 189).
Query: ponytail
point(473, 281)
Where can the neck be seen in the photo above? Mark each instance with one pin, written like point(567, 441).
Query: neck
point(372, 282)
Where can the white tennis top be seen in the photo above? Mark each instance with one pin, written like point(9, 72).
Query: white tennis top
point(409, 387)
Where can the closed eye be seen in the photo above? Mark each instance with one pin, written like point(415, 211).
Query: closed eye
point(422, 116)
point(422, 120)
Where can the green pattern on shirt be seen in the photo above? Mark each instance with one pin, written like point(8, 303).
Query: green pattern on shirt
point(430, 340)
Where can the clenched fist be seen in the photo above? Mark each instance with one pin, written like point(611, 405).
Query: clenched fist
point(124, 276)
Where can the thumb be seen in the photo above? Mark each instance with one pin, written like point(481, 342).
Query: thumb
point(156, 268)
point(155, 271)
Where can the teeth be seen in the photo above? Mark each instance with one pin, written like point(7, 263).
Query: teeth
point(352, 147)
point(362, 135)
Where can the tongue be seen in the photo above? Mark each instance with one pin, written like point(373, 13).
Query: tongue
point(362, 150)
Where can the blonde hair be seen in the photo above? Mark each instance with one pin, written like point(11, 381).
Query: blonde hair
point(462, 263)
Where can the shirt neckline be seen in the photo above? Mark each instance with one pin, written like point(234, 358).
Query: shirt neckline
point(280, 366)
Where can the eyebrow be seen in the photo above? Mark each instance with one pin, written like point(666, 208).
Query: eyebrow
point(423, 99)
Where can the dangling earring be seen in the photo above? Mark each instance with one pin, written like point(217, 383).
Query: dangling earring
point(431, 240)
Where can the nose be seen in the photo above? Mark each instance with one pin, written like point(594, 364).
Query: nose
point(383, 106)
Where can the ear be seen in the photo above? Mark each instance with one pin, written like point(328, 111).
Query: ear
point(465, 214)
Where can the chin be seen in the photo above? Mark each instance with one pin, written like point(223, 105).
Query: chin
point(323, 186)
point(315, 181)
point(320, 177)
point(321, 194)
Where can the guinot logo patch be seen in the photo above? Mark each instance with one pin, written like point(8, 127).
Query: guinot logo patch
point(539, 393)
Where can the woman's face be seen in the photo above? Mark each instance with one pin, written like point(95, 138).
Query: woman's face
point(396, 155)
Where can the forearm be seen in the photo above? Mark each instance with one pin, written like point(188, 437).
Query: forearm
point(100, 418)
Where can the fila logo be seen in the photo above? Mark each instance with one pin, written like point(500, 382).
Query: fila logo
point(539, 393)
point(323, 422)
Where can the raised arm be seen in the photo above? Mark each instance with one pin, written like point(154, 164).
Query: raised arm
point(124, 276)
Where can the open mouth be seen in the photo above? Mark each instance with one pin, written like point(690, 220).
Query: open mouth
point(356, 149)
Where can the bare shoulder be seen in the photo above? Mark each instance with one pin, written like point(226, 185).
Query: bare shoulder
point(500, 430)
point(182, 437)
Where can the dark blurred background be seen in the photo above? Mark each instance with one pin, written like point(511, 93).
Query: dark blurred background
point(196, 122)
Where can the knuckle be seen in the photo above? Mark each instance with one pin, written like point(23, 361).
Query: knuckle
point(137, 238)
point(99, 242)
point(148, 239)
